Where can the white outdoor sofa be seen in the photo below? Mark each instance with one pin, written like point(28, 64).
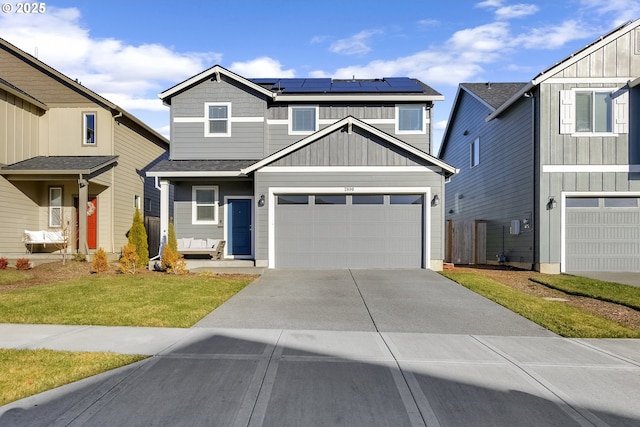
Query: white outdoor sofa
point(43, 237)
point(192, 246)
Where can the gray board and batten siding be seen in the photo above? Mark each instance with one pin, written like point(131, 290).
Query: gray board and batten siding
point(500, 188)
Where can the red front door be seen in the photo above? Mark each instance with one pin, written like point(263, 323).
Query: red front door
point(92, 222)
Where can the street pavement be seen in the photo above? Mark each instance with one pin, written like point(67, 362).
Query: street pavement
point(421, 350)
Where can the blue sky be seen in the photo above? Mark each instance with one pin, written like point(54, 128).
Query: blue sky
point(129, 51)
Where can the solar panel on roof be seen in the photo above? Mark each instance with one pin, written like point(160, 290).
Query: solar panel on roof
point(317, 83)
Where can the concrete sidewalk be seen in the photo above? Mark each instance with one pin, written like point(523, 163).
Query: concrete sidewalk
point(270, 377)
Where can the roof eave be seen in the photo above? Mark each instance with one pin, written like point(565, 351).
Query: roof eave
point(195, 174)
point(510, 101)
point(213, 71)
point(24, 97)
point(363, 97)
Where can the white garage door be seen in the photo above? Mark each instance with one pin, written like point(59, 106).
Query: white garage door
point(602, 234)
point(349, 231)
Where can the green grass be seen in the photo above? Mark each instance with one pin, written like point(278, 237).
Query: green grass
point(161, 300)
point(592, 288)
point(27, 372)
point(555, 316)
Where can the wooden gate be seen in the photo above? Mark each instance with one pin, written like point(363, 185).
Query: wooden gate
point(466, 242)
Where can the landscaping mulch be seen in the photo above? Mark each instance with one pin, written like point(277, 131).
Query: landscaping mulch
point(519, 279)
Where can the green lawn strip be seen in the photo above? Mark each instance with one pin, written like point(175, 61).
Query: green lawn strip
point(617, 293)
point(555, 316)
point(27, 372)
point(160, 300)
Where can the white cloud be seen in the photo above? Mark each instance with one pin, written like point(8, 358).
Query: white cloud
point(262, 67)
point(554, 36)
point(490, 3)
point(516, 11)
point(127, 75)
point(621, 10)
point(357, 44)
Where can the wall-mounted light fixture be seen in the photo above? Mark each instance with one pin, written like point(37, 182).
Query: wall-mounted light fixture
point(552, 203)
point(261, 200)
point(451, 211)
point(435, 201)
point(465, 133)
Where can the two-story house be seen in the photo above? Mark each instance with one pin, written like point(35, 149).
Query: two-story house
point(69, 159)
point(550, 169)
point(306, 173)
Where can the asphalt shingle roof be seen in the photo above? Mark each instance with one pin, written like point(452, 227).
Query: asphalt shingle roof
point(60, 163)
point(200, 165)
point(494, 94)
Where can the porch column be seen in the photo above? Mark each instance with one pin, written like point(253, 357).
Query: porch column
point(164, 213)
point(83, 199)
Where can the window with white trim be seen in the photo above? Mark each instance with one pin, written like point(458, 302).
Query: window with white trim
point(89, 128)
point(204, 204)
point(475, 152)
point(218, 115)
point(586, 112)
point(410, 119)
point(55, 206)
point(303, 119)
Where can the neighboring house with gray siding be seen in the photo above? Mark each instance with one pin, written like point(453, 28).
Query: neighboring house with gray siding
point(306, 173)
point(550, 169)
point(69, 160)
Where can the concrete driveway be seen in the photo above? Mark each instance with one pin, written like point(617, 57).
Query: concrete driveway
point(399, 348)
point(367, 300)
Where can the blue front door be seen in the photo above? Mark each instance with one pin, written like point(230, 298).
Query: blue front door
point(239, 227)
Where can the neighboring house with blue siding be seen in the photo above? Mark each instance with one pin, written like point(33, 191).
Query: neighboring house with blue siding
point(549, 170)
point(306, 173)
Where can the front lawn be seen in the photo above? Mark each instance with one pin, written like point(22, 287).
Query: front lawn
point(147, 299)
point(28, 372)
point(555, 316)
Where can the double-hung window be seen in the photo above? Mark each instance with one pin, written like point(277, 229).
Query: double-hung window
point(89, 128)
point(204, 204)
point(55, 206)
point(218, 119)
point(303, 119)
point(410, 119)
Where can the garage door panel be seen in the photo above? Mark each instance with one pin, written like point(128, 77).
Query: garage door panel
point(349, 235)
point(602, 238)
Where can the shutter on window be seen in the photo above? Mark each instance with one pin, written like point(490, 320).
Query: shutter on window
point(621, 112)
point(567, 112)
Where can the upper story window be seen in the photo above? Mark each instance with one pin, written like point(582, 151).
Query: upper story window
point(475, 152)
point(55, 206)
point(89, 128)
point(593, 111)
point(586, 112)
point(204, 204)
point(410, 119)
point(303, 119)
point(217, 116)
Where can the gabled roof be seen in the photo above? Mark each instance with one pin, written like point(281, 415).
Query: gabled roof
point(317, 89)
point(57, 165)
point(567, 62)
point(8, 87)
point(94, 97)
point(351, 121)
point(491, 95)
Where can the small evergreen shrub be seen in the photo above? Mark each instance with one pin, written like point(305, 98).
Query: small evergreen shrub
point(3, 263)
point(23, 264)
point(172, 262)
point(129, 259)
point(171, 237)
point(78, 257)
point(100, 263)
point(138, 238)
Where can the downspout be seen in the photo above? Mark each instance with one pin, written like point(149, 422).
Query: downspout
point(534, 214)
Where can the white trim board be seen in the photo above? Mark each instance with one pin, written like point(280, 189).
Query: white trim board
point(274, 191)
point(590, 168)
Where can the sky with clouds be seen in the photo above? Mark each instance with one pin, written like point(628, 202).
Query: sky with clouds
point(129, 51)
